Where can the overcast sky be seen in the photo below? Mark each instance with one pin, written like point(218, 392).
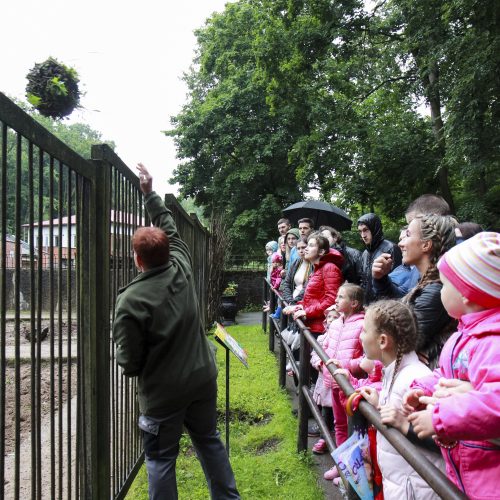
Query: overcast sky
point(130, 57)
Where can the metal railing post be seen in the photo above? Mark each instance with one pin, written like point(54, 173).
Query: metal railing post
point(272, 328)
point(282, 359)
point(304, 380)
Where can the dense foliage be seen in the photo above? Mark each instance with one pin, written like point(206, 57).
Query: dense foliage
point(286, 96)
point(53, 89)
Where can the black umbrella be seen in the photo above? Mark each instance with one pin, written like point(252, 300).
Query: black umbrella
point(322, 214)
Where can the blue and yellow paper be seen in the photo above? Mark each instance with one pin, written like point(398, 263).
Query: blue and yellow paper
point(351, 462)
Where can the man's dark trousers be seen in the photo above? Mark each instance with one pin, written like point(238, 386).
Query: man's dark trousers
point(161, 445)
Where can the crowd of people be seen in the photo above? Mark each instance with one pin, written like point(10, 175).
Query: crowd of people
point(414, 326)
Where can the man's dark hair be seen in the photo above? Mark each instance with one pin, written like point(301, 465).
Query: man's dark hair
point(306, 221)
point(469, 229)
point(152, 246)
point(429, 204)
point(336, 234)
point(283, 221)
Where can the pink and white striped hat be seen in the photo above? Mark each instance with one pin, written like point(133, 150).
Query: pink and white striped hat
point(473, 267)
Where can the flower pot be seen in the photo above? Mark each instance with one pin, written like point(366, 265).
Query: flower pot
point(228, 309)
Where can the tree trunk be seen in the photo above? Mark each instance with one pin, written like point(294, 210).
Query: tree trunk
point(431, 85)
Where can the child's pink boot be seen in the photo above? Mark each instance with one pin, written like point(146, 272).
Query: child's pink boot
point(332, 474)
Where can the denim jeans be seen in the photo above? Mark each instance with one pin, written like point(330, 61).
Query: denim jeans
point(161, 446)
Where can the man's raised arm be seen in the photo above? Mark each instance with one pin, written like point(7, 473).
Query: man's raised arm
point(160, 215)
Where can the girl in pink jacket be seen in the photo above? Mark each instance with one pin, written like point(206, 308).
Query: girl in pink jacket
point(343, 347)
point(466, 421)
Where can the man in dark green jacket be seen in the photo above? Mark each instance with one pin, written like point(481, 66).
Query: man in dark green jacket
point(160, 339)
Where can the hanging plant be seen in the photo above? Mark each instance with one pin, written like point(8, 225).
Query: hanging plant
point(53, 88)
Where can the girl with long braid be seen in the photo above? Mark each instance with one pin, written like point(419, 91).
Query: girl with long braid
point(389, 335)
point(427, 238)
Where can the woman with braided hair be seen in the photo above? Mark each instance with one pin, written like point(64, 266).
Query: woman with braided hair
point(427, 238)
point(389, 336)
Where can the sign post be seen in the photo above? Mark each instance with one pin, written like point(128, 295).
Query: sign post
point(229, 344)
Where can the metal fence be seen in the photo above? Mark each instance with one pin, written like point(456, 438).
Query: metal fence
point(68, 417)
point(367, 414)
point(246, 263)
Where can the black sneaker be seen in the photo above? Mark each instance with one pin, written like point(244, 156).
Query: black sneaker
point(313, 430)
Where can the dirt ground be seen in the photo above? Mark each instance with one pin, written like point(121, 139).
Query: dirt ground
point(42, 385)
point(26, 404)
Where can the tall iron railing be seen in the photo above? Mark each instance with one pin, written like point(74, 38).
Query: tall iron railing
point(307, 407)
point(68, 417)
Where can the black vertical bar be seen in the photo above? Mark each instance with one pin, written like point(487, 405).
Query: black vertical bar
point(282, 364)
point(114, 369)
point(17, 305)
point(272, 328)
point(41, 265)
point(52, 330)
point(69, 362)
point(228, 362)
point(282, 356)
point(129, 396)
point(122, 377)
point(31, 219)
point(304, 376)
point(79, 453)
point(132, 441)
point(3, 302)
point(59, 331)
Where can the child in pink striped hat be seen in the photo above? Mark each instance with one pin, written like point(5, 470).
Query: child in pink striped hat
point(464, 417)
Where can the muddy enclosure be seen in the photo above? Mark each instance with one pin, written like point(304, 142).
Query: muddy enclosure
point(47, 332)
point(41, 383)
point(53, 384)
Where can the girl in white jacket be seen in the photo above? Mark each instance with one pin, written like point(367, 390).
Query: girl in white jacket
point(389, 335)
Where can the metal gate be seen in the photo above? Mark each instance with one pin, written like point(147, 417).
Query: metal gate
point(67, 415)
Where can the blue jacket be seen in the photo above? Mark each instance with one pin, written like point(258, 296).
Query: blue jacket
point(397, 283)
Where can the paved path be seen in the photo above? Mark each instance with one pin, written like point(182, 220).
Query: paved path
point(251, 318)
point(322, 462)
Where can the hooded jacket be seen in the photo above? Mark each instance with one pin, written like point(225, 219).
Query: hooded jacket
point(471, 418)
point(273, 246)
point(352, 258)
point(377, 247)
point(322, 288)
point(292, 254)
point(342, 342)
point(158, 330)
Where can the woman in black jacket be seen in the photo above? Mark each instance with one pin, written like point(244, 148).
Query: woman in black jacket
point(427, 238)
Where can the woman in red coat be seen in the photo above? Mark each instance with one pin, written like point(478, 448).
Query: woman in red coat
point(324, 282)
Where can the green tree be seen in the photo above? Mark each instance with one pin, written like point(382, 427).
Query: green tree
point(292, 95)
point(235, 151)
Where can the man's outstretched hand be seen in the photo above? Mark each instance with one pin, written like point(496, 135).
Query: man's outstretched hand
point(145, 179)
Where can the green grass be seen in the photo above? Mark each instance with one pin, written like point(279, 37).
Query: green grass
point(263, 433)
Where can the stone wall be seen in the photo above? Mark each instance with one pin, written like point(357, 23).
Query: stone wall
point(250, 285)
point(25, 289)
